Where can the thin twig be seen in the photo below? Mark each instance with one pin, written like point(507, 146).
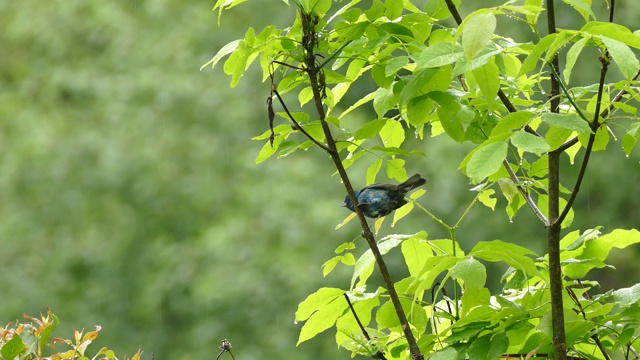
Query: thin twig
point(595, 337)
point(532, 204)
point(595, 124)
point(298, 126)
point(379, 354)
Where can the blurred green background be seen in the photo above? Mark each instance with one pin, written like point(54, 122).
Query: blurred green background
point(129, 196)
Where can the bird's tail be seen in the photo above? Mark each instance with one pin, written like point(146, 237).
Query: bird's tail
point(412, 183)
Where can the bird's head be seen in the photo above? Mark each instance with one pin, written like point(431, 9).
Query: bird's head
point(347, 202)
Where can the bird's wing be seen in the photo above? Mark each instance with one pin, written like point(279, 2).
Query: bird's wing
point(389, 187)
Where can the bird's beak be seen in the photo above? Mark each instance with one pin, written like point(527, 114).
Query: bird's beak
point(344, 204)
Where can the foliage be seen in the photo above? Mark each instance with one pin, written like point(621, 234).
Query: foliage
point(32, 340)
point(474, 86)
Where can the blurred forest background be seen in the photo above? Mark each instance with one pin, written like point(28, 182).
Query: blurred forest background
point(129, 197)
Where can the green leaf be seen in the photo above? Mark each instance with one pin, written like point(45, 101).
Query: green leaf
point(489, 347)
point(370, 129)
point(439, 54)
point(395, 64)
point(623, 56)
point(511, 254)
point(224, 51)
point(572, 56)
point(488, 79)
point(557, 136)
point(600, 142)
point(393, 9)
point(529, 143)
point(567, 121)
point(477, 32)
point(450, 124)
point(383, 101)
point(330, 264)
point(322, 319)
point(46, 332)
point(531, 60)
point(472, 273)
point(582, 7)
point(373, 170)
point(485, 198)
point(392, 133)
point(416, 251)
point(627, 296)
point(364, 266)
point(414, 86)
point(236, 63)
point(597, 250)
point(486, 161)
point(396, 170)
point(316, 301)
point(512, 121)
point(613, 31)
point(418, 109)
point(13, 348)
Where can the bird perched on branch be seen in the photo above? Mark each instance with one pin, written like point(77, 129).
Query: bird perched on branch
point(379, 200)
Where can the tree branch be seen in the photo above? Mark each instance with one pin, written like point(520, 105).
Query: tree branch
point(553, 231)
point(317, 82)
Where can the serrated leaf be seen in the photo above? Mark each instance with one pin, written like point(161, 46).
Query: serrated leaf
point(566, 121)
point(486, 161)
point(477, 33)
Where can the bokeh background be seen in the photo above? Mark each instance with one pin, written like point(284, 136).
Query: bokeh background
point(129, 197)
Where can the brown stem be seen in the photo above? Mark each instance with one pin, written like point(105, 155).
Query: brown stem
point(314, 73)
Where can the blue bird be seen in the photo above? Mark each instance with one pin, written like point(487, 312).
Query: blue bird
point(380, 200)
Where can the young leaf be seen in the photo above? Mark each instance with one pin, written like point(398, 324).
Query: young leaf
point(392, 133)
point(477, 32)
point(488, 78)
point(486, 161)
